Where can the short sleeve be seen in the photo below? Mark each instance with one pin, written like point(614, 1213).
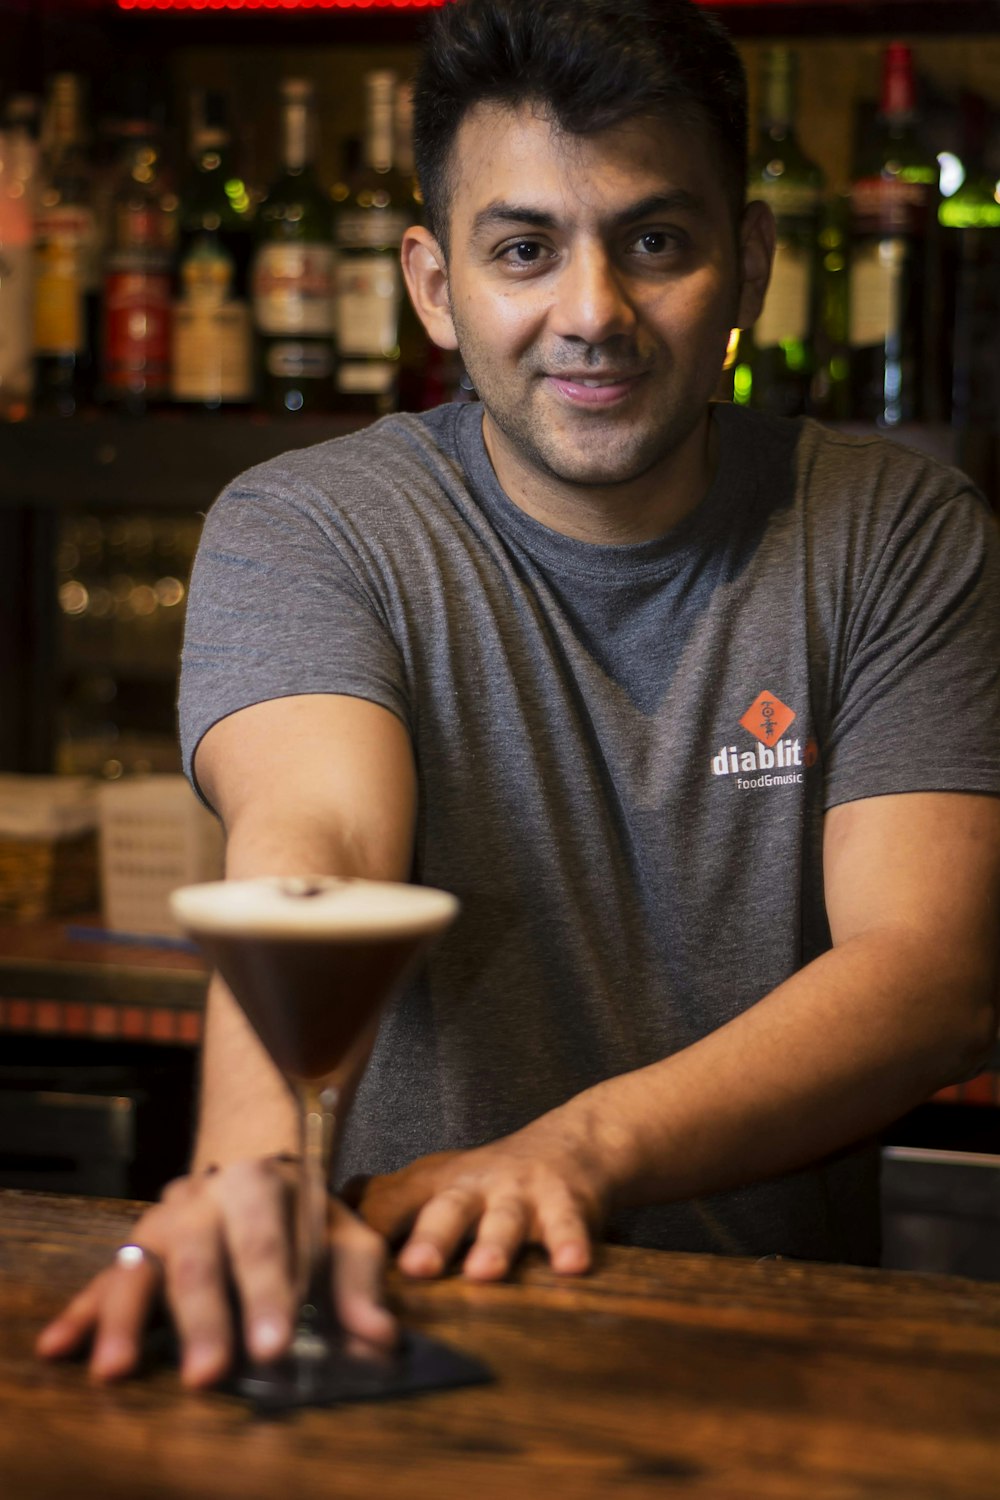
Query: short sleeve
point(917, 699)
point(280, 604)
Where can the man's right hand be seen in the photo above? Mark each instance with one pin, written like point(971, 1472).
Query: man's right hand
point(211, 1232)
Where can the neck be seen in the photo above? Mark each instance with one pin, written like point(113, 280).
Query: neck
point(636, 510)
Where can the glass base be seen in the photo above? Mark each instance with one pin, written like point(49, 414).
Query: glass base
point(322, 1372)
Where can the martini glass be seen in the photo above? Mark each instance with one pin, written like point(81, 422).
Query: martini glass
point(312, 961)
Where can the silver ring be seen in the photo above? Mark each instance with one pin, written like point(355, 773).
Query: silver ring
point(132, 1256)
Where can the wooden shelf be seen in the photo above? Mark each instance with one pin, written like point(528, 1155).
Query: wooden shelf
point(173, 460)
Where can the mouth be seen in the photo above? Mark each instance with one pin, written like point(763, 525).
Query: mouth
point(594, 390)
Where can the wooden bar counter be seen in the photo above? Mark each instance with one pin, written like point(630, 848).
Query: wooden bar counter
point(658, 1374)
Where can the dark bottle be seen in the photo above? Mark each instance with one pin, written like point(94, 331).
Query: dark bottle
point(18, 182)
point(830, 392)
point(67, 273)
point(970, 221)
point(136, 309)
point(293, 270)
point(369, 228)
point(775, 365)
point(212, 349)
point(891, 278)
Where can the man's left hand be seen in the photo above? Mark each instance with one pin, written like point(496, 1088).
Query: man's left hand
point(541, 1186)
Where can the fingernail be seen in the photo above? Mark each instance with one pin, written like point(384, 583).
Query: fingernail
point(267, 1337)
point(421, 1259)
point(112, 1356)
point(571, 1259)
point(200, 1362)
point(50, 1338)
point(382, 1327)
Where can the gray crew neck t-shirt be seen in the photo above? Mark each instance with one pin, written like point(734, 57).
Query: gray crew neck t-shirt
point(624, 753)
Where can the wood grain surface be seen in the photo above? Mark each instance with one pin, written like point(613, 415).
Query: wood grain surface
point(657, 1375)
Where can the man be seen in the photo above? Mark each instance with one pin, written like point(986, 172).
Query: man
point(696, 712)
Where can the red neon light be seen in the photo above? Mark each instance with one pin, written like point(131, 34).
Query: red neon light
point(278, 4)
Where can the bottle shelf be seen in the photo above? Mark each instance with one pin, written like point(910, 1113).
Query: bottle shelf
point(179, 461)
point(175, 460)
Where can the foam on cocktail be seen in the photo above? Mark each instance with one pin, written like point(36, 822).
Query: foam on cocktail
point(320, 907)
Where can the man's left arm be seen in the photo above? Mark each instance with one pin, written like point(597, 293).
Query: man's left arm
point(903, 1003)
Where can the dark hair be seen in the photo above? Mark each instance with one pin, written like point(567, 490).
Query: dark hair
point(588, 64)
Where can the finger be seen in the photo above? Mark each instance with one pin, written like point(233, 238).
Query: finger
point(126, 1298)
point(67, 1332)
point(388, 1205)
point(196, 1292)
point(260, 1249)
point(565, 1234)
point(440, 1228)
point(357, 1266)
point(502, 1231)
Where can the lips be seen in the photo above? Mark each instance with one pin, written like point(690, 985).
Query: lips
point(588, 389)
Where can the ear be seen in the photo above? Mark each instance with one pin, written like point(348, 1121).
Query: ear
point(426, 273)
point(757, 237)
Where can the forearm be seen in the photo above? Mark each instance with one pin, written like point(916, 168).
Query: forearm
point(834, 1054)
point(246, 1109)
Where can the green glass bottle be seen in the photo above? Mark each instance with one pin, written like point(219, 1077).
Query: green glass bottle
point(891, 287)
point(970, 223)
point(370, 224)
point(294, 269)
point(775, 363)
point(212, 360)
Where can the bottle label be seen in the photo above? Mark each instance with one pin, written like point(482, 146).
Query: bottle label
point(366, 379)
point(789, 200)
point(369, 300)
point(16, 321)
point(136, 328)
point(293, 289)
point(211, 353)
point(785, 314)
point(291, 360)
point(875, 291)
point(372, 228)
point(888, 205)
point(65, 258)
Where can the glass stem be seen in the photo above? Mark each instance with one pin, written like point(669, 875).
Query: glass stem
point(319, 1105)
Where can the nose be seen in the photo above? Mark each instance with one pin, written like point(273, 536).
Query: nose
point(591, 300)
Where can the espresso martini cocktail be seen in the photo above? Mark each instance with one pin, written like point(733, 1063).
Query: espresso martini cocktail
point(311, 961)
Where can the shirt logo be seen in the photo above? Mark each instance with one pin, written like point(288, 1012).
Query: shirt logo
point(767, 718)
point(775, 760)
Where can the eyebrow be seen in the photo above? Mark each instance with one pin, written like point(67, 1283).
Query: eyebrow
point(499, 212)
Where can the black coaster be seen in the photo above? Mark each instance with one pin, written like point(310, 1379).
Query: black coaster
point(318, 1375)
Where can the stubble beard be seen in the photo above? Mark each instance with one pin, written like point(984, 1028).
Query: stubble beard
point(610, 453)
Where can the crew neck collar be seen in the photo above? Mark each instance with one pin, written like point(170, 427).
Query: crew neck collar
point(731, 486)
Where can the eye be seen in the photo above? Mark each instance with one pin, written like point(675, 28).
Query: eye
point(522, 253)
point(657, 242)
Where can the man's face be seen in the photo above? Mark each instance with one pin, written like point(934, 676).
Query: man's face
point(592, 284)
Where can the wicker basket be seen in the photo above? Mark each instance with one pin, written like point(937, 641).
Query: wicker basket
point(154, 836)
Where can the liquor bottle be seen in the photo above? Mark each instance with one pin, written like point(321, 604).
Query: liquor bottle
point(138, 290)
point(293, 269)
point(424, 370)
point(17, 271)
point(212, 349)
point(970, 220)
point(775, 363)
point(830, 391)
point(369, 229)
point(891, 276)
point(66, 268)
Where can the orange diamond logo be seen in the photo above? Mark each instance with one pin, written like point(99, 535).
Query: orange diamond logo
point(767, 718)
